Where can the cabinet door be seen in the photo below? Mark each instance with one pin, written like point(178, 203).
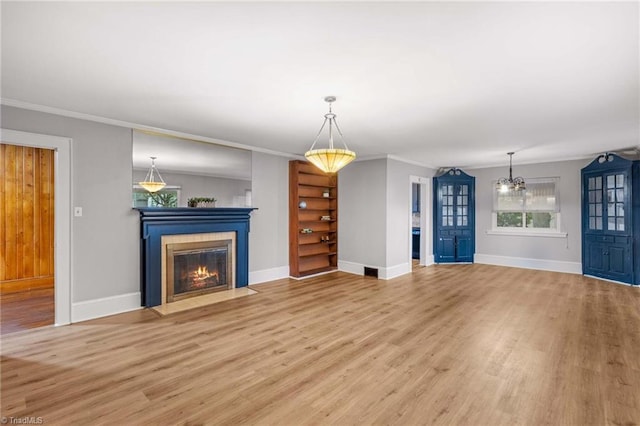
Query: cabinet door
point(597, 262)
point(464, 251)
point(446, 249)
point(619, 262)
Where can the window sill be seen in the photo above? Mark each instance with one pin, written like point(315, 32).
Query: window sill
point(551, 234)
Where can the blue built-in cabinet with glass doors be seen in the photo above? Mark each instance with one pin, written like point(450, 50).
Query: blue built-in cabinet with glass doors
point(454, 217)
point(611, 219)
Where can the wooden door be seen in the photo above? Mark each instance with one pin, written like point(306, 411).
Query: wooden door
point(26, 218)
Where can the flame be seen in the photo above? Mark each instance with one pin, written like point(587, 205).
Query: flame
point(200, 276)
point(203, 272)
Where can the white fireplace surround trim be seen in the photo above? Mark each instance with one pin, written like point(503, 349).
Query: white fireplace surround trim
point(196, 238)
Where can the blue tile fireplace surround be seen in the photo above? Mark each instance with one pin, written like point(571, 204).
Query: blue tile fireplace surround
point(156, 222)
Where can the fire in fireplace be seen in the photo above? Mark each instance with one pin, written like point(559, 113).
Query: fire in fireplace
point(195, 268)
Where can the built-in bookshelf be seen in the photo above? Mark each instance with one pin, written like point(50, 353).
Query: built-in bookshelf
point(313, 220)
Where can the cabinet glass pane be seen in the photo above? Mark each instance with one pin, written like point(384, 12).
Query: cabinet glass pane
point(620, 210)
point(592, 223)
point(611, 209)
point(598, 223)
point(592, 183)
point(611, 224)
point(620, 195)
point(611, 195)
point(619, 181)
point(450, 221)
point(620, 223)
point(611, 181)
point(459, 221)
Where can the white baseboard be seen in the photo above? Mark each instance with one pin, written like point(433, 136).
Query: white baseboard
point(266, 275)
point(394, 271)
point(383, 273)
point(350, 267)
point(91, 309)
point(429, 260)
point(521, 262)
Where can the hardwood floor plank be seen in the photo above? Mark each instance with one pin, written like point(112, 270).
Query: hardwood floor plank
point(448, 344)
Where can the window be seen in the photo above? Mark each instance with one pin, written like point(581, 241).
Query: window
point(535, 209)
point(166, 197)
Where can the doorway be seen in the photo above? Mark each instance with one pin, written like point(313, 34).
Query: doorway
point(26, 223)
point(59, 149)
point(418, 231)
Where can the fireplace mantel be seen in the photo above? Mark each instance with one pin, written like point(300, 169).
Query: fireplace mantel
point(157, 221)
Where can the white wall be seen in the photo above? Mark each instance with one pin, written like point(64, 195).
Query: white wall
point(374, 216)
point(561, 254)
point(362, 213)
point(269, 236)
point(398, 239)
point(223, 190)
point(105, 240)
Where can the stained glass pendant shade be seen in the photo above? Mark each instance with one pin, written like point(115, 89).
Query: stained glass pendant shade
point(330, 159)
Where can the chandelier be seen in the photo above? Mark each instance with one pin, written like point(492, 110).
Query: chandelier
point(153, 182)
point(510, 184)
point(331, 159)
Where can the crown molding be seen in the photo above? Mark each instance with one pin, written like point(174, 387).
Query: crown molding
point(136, 126)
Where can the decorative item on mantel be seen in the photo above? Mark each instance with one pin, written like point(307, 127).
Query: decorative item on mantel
point(331, 159)
point(201, 202)
point(150, 182)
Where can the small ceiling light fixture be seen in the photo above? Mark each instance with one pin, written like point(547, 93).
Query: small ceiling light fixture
point(331, 159)
point(510, 184)
point(153, 182)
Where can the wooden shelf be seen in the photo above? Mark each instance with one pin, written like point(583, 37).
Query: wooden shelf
point(307, 253)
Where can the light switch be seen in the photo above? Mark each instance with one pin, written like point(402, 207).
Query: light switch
point(77, 212)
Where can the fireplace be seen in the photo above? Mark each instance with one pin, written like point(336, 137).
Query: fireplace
point(187, 252)
point(197, 264)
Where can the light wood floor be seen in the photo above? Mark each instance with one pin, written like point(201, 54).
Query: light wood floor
point(449, 344)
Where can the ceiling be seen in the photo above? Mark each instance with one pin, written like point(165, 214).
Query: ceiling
point(437, 83)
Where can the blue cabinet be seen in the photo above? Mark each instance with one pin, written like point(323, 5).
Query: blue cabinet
point(610, 219)
point(454, 217)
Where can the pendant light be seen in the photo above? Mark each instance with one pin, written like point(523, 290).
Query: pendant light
point(153, 182)
point(331, 159)
point(510, 184)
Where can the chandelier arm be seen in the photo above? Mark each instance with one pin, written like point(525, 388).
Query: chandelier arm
point(340, 133)
point(318, 135)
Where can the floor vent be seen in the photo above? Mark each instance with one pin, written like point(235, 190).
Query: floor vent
point(370, 272)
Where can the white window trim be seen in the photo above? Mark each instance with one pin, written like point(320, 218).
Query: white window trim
point(529, 232)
